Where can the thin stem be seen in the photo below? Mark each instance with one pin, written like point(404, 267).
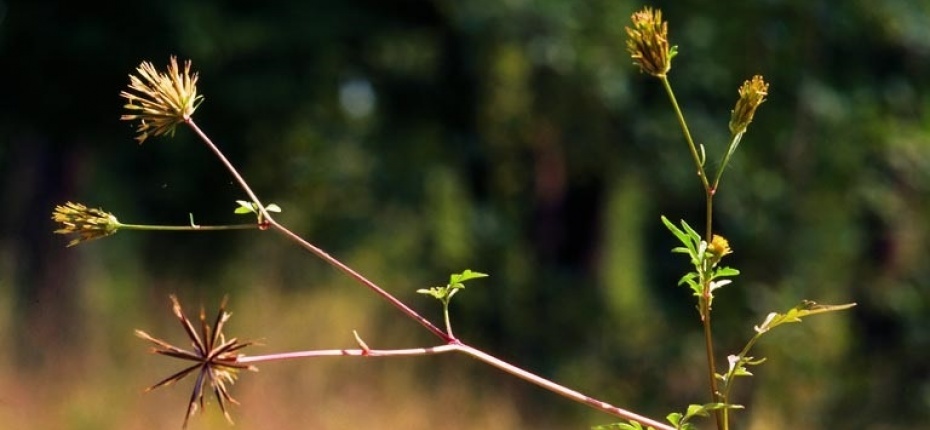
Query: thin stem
point(452, 343)
point(698, 162)
point(704, 301)
point(332, 261)
point(477, 354)
point(561, 390)
point(266, 217)
point(734, 142)
point(725, 396)
point(187, 227)
point(709, 348)
point(709, 216)
point(348, 352)
point(445, 315)
point(232, 169)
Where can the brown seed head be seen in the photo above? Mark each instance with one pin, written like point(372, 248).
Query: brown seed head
point(648, 42)
point(212, 357)
point(87, 223)
point(160, 101)
point(751, 95)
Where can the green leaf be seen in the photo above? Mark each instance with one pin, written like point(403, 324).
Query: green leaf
point(725, 271)
point(688, 278)
point(696, 410)
point(438, 292)
point(468, 274)
point(273, 208)
point(806, 308)
point(681, 250)
point(695, 237)
point(244, 207)
point(681, 235)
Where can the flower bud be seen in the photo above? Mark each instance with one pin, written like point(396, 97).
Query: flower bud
point(648, 42)
point(751, 95)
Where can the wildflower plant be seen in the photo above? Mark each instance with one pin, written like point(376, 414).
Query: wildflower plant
point(158, 102)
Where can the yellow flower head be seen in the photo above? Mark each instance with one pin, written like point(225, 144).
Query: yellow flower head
point(87, 223)
point(648, 42)
point(160, 101)
point(719, 247)
point(751, 95)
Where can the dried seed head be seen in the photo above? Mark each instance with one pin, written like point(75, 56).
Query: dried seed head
point(648, 42)
point(751, 95)
point(160, 101)
point(212, 357)
point(87, 223)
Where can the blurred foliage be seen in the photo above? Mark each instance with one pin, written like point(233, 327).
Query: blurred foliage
point(417, 138)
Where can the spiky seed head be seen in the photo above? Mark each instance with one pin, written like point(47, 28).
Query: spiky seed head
point(160, 101)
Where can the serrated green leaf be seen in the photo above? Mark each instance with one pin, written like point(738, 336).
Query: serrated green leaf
point(695, 237)
point(437, 292)
point(696, 288)
point(696, 410)
point(674, 418)
point(681, 235)
point(687, 278)
point(806, 308)
point(458, 278)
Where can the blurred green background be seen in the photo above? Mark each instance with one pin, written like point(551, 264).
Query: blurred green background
point(416, 138)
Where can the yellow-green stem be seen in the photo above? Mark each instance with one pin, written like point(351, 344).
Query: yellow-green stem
point(445, 314)
point(725, 395)
point(709, 348)
point(698, 163)
point(709, 195)
point(709, 216)
point(734, 142)
point(187, 227)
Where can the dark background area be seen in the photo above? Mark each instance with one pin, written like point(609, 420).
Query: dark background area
point(418, 138)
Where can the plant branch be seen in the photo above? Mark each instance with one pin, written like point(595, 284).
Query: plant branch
point(698, 161)
point(187, 227)
point(232, 169)
point(269, 221)
point(453, 344)
point(705, 299)
point(711, 362)
point(332, 261)
point(477, 354)
point(559, 389)
point(348, 352)
point(734, 143)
